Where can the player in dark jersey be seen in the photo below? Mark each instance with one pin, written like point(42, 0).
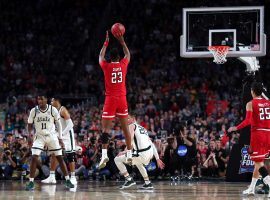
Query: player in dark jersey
point(258, 116)
point(115, 102)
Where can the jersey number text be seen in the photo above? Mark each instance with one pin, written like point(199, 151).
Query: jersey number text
point(264, 113)
point(117, 77)
point(43, 126)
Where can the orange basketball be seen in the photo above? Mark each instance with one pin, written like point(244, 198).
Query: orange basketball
point(118, 29)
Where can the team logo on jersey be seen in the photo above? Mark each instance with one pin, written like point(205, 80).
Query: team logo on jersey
point(182, 150)
point(246, 164)
point(43, 119)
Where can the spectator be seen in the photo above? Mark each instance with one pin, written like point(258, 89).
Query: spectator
point(221, 159)
point(211, 163)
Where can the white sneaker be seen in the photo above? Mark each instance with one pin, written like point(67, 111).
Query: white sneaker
point(49, 180)
point(103, 162)
point(73, 180)
point(249, 191)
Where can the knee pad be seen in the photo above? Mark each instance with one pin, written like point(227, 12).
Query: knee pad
point(263, 171)
point(105, 138)
point(71, 157)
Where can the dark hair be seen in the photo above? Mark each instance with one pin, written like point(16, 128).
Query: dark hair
point(42, 94)
point(114, 54)
point(58, 98)
point(257, 88)
point(132, 114)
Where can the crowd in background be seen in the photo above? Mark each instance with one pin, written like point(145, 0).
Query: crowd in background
point(54, 46)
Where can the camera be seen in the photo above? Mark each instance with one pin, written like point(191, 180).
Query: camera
point(8, 152)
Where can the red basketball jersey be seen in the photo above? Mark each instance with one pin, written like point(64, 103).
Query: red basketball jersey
point(115, 77)
point(261, 114)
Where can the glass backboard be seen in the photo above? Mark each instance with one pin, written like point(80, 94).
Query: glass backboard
point(241, 28)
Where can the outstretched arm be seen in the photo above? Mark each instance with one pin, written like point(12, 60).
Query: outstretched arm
point(104, 48)
point(247, 120)
point(125, 48)
point(69, 124)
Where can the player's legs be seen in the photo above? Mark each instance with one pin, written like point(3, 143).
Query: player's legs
point(122, 113)
point(71, 158)
point(69, 142)
point(53, 165)
point(251, 189)
point(124, 125)
point(105, 137)
point(55, 148)
point(120, 163)
point(258, 151)
point(36, 149)
point(108, 115)
point(147, 183)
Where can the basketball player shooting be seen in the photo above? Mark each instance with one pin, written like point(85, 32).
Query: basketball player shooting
point(258, 116)
point(115, 102)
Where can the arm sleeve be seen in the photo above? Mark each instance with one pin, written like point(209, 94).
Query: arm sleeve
point(59, 128)
point(31, 116)
point(246, 122)
point(69, 126)
point(155, 151)
point(56, 116)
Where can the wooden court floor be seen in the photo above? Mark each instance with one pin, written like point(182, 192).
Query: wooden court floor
point(109, 190)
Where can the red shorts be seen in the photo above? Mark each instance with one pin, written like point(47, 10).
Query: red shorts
point(115, 106)
point(259, 145)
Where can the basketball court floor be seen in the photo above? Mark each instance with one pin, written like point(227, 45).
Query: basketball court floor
point(109, 190)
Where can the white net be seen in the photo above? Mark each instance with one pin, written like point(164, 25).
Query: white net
point(219, 53)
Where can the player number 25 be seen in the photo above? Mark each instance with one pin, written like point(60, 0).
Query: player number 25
point(117, 77)
point(264, 113)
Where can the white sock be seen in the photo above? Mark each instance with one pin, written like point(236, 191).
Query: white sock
point(31, 179)
point(72, 174)
point(129, 153)
point(104, 153)
point(67, 177)
point(147, 182)
point(52, 174)
point(128, 178)
point(253, 183)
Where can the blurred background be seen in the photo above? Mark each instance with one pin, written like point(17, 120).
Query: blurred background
point(53, 45)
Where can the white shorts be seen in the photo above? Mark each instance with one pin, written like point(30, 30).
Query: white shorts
point(69, 142)
point(51, 141)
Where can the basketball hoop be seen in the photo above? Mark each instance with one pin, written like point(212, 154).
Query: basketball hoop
point(219, 53)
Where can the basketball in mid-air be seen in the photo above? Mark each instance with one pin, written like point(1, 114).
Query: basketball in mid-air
point(118, 29)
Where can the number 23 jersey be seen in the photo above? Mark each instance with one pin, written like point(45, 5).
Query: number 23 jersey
point(260, 114)
point(115, 77)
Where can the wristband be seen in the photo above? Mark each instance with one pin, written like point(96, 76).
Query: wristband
point(106, 43)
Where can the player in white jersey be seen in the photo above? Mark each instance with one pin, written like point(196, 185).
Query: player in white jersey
point(44, 117)
point(68, 140)
point(143, 152)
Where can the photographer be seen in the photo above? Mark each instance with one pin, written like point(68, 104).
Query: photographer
point(8, 163)
point(168, 156)
point(185, 152)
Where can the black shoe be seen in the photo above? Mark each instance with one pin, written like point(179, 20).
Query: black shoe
point(30, 186)
point(68, 184)
point(148, 186)
point(127, 184)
